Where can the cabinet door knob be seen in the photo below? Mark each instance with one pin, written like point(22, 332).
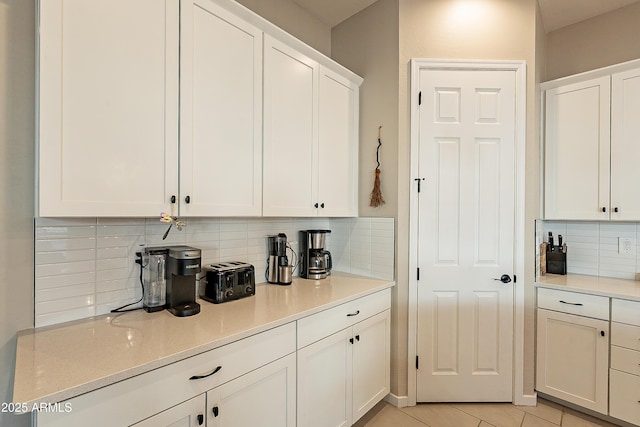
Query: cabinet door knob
point(173, 198)
point(604, 209)
point(215, 411)
point(351, 340)
point(200, 419)
point(322, 205)
point(187, 199)
point(601, 333)
point(357, 337)
point(315, 206)
point(615, 209)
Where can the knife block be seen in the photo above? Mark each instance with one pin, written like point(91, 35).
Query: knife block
point(556, 261)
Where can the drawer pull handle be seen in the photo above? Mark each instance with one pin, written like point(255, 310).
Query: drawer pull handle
point(572, 303)
point(353, 314)
point(199, 377)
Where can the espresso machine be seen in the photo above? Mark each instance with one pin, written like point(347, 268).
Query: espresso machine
point(278, 269)
point(315, 261)
point(183, 264)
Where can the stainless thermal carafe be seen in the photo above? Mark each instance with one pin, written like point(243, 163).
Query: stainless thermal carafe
point(277, 245)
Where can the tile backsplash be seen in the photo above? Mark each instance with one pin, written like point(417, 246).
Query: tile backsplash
point(85, 267)
point(592, 246)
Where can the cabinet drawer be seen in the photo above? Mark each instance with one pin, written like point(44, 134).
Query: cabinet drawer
point(574, 303)
point(624, 401)
point(162, 388)
point(625, 311)
point(627, 336)
point(625, 360)
point(317, 326)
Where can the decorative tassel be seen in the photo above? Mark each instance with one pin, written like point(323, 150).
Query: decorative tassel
point(376, 198)
point(376, 195)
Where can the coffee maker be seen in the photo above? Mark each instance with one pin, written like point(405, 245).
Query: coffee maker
point(315, 261)
point(183, 264)
point(278, 268)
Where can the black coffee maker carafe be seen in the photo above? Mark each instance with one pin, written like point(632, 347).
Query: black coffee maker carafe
point(315, 260)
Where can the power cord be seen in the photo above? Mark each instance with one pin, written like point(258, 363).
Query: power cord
point(122, 309)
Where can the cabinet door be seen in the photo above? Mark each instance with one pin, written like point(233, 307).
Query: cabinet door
point(325, 382)
point(220, 112)
point(577, 144)
point(625, 397)
point(265, 397)
point(107, 107)
point(290, 131)
point(625, 149)
point(186, 414)
point(338, 146)
point(371, 362)
point(573, 359)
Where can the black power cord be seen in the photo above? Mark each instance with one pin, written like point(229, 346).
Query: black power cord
point(124, 308)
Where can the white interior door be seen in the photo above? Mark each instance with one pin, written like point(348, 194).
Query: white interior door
point(466, 235)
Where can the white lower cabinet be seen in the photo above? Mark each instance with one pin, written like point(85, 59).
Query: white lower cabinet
point(573, 350)
point(624, 376)
point(327, 369)
point(264, 362)
point(345, 373)
point(265, 397)
point(186, 414)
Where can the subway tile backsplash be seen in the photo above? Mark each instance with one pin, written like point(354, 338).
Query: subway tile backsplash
point(85, 267)
point(592, 246)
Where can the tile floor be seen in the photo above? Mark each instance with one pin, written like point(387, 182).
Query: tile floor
point(546, 414)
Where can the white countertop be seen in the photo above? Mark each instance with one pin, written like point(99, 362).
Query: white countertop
point(59, 362)
point(595, 285)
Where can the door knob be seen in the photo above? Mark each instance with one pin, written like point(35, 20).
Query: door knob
point(505, 278)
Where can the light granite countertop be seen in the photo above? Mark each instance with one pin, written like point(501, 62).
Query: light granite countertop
point(56, 363)
point(594, 285)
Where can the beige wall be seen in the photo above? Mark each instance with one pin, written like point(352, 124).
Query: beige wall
point(17, 81)
point(598, 42)
point(295, 20)
point(501, 29)
point(367, 44)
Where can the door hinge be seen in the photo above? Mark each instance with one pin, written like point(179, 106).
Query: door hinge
point(420, 98)
point(417, 362)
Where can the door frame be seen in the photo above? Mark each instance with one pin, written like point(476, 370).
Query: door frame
point(519, 67)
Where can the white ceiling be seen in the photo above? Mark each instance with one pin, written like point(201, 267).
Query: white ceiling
point(555, 13)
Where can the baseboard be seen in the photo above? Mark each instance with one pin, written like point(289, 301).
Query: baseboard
point(526, 400)
point(397, 401)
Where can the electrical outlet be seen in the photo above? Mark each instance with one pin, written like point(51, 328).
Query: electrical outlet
point(626, 245)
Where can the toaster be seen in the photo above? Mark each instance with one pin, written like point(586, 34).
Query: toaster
point(227, 281)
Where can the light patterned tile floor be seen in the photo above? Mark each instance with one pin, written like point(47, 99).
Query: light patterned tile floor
point(546, 414)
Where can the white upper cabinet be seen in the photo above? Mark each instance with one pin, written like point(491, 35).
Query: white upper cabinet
point(108, 107)
point(290, 131)
point(338, 146)
point(625, 145)
point(577, 143)
point(311, 136)
point(191, 107)
point(591, 149)
point(220, 112)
